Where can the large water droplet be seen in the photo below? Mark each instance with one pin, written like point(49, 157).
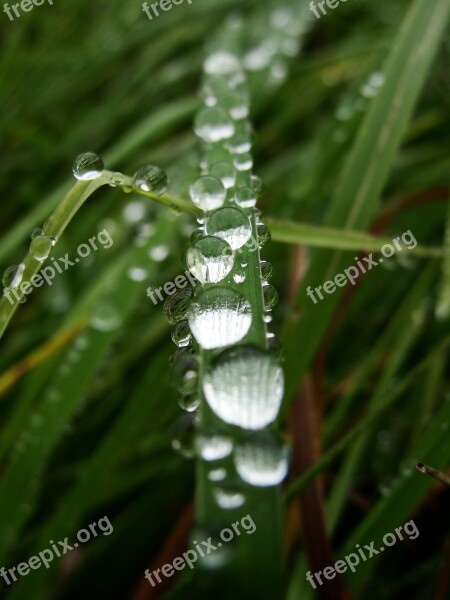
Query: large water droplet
point(176, 306)
point(225, 172)
point(222, 63)
point(213, 125)
point(12, 276)
point(87, 166)
point(262, 460)
point(230, 224)
point(219, 317)
point(244, 386)
point(245, 197)
point(151, 178)
point(210, 259)
point(40, 247)
point(208, 193)
point(213, 446)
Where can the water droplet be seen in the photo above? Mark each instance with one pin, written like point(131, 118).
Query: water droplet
point(239, 277)
point(12, 276)
point(137, 274)
point(244, 386)
point(219, 317)
point(213, 446)
point(257, 184)
point(259, 58)
point(243, 162)
point(240, 143)
point(230, 224)
point(217, 474)
point(266, 270)
point(87, 166)
point(151, 178)
point(228, 498)
point(176, 306)
point(275, 347)
point(40, 247)
point(262, 459)
point(208, 193)
point(210, 259)
point(116, 179)
point(159, 253)
point(181, 334)
point(105, 317)
point(264, 236)
point(215, 559)
point(237, 105)
point(183, 435)
point(270, 296)
point(226, 173)
point(213, 125)
point(35, 232)
point(245, 197)
point(222, 63)
point(189, 403)
point(213, 89)
point(184, 371)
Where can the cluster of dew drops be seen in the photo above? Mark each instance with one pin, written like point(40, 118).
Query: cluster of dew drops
point(86, 167)
point(242, 383)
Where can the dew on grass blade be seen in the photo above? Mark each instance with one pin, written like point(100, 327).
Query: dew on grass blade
point(230, 224)
point(244, 386)
point(264, 235)
point(262, 459)
point(184, 371)
point(183, 435)
point(210, 259)
point(217, 474)
point(270, 295)
point(181, 334)
point(239, 277)
point(87, 166)
point(208, 193)
point(222, 63)
point(151, 178)
point(213, 125)
point(245, 197)
point(266, 270)
point(225, 172)
point(243, 162)
point(219, 317)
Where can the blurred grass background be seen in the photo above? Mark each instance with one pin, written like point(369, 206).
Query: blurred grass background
point(85, 428)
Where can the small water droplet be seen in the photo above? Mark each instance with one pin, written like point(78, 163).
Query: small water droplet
point(266, 270)
point(222, 63)
point(237, 105)
point(189, 403)
point(87, 166)
point(105, 317)
point(210, 259)
point(240, 143)
point(262, 459)
point(244, 387)
point(116, 179)
point(184, 371)
point(219, 317)
point(264, 236)
point(228, 498)
point(151, 178)
point(213, 125)
point(208, 193)
point(230, 224)
point(181, 334)
point(243, 162)
point(12, 276)
point(212, 446)
point(176, 306)
point(137, 274)
point(225, 172)
point(257, 184)
point(270, 295)
point(183, 435)
point(245, 197)
point(41, 247)
point(134, 212)
point(217, 474)
point(239, 277)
